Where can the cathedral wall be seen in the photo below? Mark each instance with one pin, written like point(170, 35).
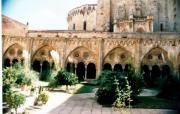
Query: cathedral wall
point(13, 27)
point(81, 15)
point(137, 45)
point(103, 15)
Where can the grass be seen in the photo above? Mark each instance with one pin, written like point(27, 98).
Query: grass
point(79, 88)
point(83, 88)
point(156, 103)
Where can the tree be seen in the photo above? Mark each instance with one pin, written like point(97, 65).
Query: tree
point(14, 100)
point(9, 78)
point(66, 78)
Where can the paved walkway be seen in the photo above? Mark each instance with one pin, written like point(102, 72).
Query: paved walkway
point(63, 103)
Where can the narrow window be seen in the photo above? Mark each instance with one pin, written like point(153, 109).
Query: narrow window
point(74, 26)
point(175, 26)
point(161, 27)
point(84, 25)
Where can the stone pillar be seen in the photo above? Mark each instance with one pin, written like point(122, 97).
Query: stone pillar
point(85, 72)
point(40, 68)
point(99, 57)
point(115, 26)
point(75, 69)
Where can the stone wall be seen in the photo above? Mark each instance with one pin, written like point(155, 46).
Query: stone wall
point(78, 16)
point(13, 27)
point(100, 49)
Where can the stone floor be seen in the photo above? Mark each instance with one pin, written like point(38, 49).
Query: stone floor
point(63, 103)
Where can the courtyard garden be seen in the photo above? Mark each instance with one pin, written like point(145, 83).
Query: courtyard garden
point(117, 89)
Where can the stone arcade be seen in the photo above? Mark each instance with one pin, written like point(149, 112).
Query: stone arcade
point(107, 35)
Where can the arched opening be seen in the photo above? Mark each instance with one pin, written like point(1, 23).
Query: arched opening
point(14, 61)
point(146, 75)
point(22, 62)
point(91, 71)
point(45, 74)
point(127, 67)
point(165, 71)
point(155, 73)
point(179, 71)
point(140, 30)
point(117, 55)
point(70, 67)
point(107, 66)
point(36, 66)
point(84, 25)
point(118, 67)
point(74, 26)
point(6, 63)
point(161, 27)
point(80, 71)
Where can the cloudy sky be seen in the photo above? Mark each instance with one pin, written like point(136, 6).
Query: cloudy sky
point(42, 14)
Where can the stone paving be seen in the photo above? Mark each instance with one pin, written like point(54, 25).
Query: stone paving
point(86, 104)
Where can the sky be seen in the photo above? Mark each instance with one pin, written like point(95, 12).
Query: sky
point(42, 14)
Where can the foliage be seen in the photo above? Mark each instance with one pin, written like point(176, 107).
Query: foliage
point(116, 89)
point(45, 75)
point(42, 98)
point(66, 78)
point(135, 78)
point(9, 78)
point(152, 102)
point(170, 89)
point(53, 83)
point(123, 96)
point(108, 81)
point(14, 100)
point(22, 80)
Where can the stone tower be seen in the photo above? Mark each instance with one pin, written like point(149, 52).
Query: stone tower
point(103, 15)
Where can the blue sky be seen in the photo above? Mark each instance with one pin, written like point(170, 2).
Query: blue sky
point(42, 14)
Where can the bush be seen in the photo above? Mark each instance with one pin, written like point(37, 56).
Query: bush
point(119, 88)
point(108, 82)
point(53, 83)
point(22, 80)
point(14, 100)
point(42, 98)
point(45, 75)
point(170, 89)
point(66, 78)
point(123, 96)
point(9, 78)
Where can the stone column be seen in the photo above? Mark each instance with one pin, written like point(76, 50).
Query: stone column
point(75, 69)
point(85, 72)
point(40, 68)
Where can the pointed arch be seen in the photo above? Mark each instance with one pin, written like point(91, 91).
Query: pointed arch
point(118, 55)
point(13, 54)
point(140, 30)
point(81, 54)
point(46, 53)
point(155, 56)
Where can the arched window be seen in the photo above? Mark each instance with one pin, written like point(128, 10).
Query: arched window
point(84, 25)
point(161, 27)
point(74, 26)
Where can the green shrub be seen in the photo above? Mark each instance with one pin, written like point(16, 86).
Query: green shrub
point(53, 83)
point(108, 82)
point(9, 78)
point(22, 80)
point(45, 75)
point(66, 78)
point(42, 98)
point(14, 100)
point(123, 96)
point(170, 89)
point(116, 89)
